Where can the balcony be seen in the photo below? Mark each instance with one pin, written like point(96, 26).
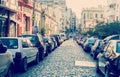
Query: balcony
point(8, 5)
point(3, 3)
point(28, 3)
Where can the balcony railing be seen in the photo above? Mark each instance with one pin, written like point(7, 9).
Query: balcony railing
point(8, 5)
point(26, 2)
point(3, 3)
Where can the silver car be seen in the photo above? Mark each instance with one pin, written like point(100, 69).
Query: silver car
point(6, 62)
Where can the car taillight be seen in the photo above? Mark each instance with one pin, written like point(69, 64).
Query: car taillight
point(18, 55)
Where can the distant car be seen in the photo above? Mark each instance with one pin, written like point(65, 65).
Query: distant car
point(88, 44)
point(57, 38)
point(82, 41)
point(6, 62)
point(63, 36)
point(49, 43)
point(55, 42)
point(107, 62)
point(95, 50)
point(22, 50)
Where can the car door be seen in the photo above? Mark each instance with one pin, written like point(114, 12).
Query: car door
point(41, 41)
point(103, 59)
point(26, 50)
point(4, 62)
point(32, 51)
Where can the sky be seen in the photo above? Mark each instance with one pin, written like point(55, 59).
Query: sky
point(78, 5)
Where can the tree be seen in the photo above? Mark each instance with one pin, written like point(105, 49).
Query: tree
point(102, 30)
point(107, 29)
point(90, 32)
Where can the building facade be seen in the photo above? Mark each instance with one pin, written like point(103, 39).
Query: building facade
point(113, 10)
point(8, 10)
point(90, 17)
point(25, 12)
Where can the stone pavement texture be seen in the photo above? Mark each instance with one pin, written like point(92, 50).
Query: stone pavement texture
point(64, 62)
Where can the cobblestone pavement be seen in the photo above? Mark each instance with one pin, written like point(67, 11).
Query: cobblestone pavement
point(65, 61)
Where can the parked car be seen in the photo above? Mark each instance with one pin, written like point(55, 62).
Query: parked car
point(63, 37)
point(109, 61)
point(107, 39)
point(88, 44)
point(49, 43)
point(55, 42)
point(95, 50)
point(6, 62)
point(37, 41)
point(22, 50)
point(82, 41)
point(57, 38)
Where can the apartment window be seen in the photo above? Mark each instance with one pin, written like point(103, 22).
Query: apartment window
point(91, 15)
point(101, 15)
point(84, 15)
point(88, 15)
point(96, 15)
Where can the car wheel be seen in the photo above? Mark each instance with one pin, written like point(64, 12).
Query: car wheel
point(24, 65)
point(107, 73)
point(97, 67)
point(94, 57)
point(42, 55)
point(46, 54)
point(10, 72)
point(37, 59)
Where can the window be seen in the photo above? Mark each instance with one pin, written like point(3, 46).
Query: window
point(118, 47)
point(101, 15)
point(84, 16)
point(96, 15)
point(24, 44)
point(10, 43)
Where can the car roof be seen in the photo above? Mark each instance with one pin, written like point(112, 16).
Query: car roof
point(11, 38)
point(108, 37)
point(114, 40)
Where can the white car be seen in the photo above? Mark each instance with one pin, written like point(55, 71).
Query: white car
point(22, 50)
point(6, 62)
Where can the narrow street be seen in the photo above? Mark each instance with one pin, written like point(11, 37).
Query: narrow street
point(68, 60)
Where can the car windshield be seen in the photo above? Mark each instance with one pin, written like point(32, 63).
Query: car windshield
point(91, 40)
point(10, 43)
point(45, 39)
point(118, 47)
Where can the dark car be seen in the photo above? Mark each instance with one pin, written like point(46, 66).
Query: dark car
point(55, 42)
point(88, 44)
point(37, 41)
point(95, 50)
point(49, 45)
point(108, 62)
point(107, 39)
point(57, 38)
